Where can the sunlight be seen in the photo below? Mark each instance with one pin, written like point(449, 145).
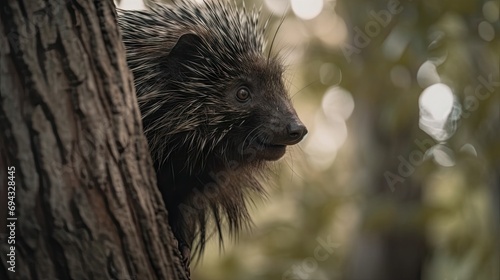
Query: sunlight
point(443, 155)
point(437, 100)
point(324, 140)
point(132, 5)
point(330, 129)
point(337, 103)
point(427, 74)
point(307, 9)
point(436, 103)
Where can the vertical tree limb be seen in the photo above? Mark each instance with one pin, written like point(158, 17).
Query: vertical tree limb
point(86, 200)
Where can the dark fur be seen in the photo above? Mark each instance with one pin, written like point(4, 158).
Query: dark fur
point(208, 148)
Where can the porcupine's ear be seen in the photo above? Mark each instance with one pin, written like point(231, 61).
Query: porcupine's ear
point(185, 49)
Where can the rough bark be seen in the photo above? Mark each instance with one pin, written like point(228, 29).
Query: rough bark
point(86, 201)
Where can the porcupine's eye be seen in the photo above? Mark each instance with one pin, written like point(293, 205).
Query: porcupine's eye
point(243, 94)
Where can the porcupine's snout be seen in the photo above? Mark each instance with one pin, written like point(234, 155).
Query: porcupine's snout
point(285, 129)
point(295, 131)
point(288, 131)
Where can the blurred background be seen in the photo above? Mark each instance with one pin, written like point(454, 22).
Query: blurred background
point(399, 176)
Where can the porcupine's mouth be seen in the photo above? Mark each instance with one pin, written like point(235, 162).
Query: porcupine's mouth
point(269, 151)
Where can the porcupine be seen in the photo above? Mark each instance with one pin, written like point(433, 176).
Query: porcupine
point(214, 110)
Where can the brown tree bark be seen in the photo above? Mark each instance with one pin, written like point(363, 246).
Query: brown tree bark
point(72, 151)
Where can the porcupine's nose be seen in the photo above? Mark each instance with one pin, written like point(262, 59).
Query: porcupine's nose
point(296, 130)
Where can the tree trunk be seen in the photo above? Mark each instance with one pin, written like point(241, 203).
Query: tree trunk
point(72, 151)
point(390, 243)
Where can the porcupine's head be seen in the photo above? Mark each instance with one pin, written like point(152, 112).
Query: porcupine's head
point(205, 88)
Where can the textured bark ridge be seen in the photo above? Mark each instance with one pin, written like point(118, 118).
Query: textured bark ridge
point(86, 200)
